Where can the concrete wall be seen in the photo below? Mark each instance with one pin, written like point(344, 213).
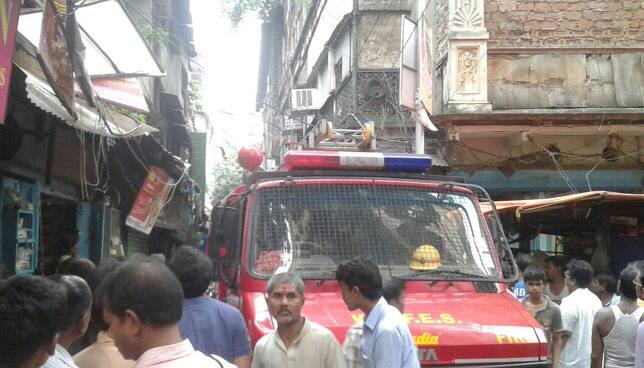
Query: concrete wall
point(569, 23)
point(332, 15)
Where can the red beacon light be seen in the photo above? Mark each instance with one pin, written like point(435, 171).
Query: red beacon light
point(329, 160)
point(250, 158)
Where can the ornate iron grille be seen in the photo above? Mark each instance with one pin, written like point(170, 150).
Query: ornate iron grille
point(411, 231)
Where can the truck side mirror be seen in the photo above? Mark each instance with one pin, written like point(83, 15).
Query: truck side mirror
point(223, 232)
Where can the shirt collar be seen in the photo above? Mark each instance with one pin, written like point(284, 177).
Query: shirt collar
point(196, 300)
point(63, 355)
point(165, 353)
point(376, 312)
point(544, 305)
point(278, 339)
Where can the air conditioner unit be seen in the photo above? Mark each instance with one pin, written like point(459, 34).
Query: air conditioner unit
point(304, 99)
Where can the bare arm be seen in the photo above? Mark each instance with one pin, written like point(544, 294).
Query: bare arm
point(564, 338)
point(242, 361)
point(556, 349)
point(598, 346)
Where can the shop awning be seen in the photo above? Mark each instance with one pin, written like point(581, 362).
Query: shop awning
point(572, 213)
point(115, 124)
point(113, 44)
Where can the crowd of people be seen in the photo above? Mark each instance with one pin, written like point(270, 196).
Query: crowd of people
point(590, 320)
point(146, 312)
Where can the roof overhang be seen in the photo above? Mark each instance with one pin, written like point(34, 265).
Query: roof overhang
point(570, 214)
point(114, 46)
point(114, 124)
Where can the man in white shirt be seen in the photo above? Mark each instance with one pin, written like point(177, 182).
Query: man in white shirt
point(75, 320)
point(577, 314)
point(297, 341)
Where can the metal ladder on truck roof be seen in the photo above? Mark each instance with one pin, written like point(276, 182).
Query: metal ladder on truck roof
point(325, 137)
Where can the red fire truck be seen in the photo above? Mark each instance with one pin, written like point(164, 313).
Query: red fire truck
point(325, 208)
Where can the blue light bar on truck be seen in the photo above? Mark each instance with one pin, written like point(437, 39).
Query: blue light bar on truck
point(328, 160)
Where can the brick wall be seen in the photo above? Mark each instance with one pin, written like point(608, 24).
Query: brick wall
point(565, 23)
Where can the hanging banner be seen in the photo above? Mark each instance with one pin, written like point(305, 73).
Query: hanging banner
point(54, 56)
point(9, 12)
point(426, 64)
point(150, 200)
point(408, 85)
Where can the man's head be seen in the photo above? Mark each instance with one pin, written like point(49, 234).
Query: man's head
point(535, 281)
point(31, 314)
point(639, 279)
point(79, 303)
point(81, 267)
point(96, 279)
point(523, 261)
point(579, 274)
point(193, 269)
point(604, 284)
point(627, 288)
point(142, 300)
point(393, 291)
point(359, 279)
point(285, 298)
point(555, 266)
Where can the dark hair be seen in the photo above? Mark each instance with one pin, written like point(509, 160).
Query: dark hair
point(533, 273)
point(96, 279)
point(523, 261)
point(147, 288)
point(626, 286)
point(31, 313)
point(79, 299)
point(81, 267)
point(557, 261)
point(361, 273)
point(392, 288)
point(607, 281)
point(581, 272)
point(193, 269)
point(67, 241)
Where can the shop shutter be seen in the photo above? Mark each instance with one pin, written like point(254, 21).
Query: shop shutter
point(137, 242)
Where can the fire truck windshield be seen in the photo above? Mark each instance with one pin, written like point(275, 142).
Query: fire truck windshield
point(409, 231)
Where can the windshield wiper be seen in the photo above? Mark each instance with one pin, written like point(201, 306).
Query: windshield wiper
point(439, 271)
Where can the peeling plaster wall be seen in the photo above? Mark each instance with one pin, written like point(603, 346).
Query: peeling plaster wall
point(579, 152)
point(566, 81)
point(383, 43)
point(440, 14)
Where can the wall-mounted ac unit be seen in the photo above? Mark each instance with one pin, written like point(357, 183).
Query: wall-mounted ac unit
point(304, 99)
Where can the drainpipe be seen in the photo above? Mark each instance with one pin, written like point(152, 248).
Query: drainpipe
point(354, 68)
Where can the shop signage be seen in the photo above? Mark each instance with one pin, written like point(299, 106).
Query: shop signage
point(9, 12)
point(54, 57)
point(150, 200)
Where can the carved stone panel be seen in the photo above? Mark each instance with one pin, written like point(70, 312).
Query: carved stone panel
point(466, 14)
point(468, 70)
point(467, 76)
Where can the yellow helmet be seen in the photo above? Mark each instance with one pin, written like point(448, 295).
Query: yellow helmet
point(425, 257)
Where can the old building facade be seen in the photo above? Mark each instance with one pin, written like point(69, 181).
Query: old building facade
point(528, 97)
